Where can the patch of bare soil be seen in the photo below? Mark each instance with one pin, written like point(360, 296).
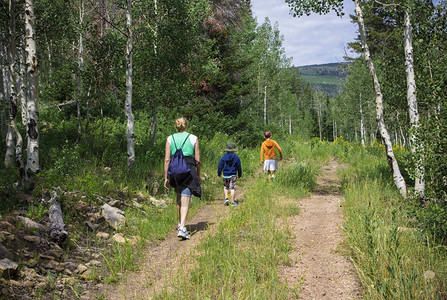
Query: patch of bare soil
point(316, 264)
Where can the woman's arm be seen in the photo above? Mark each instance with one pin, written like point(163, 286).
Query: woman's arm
point(167, 162)
point(197, 157)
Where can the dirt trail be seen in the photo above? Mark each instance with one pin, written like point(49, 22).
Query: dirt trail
point(163, 261)
point(323, 272)
point(316, 264)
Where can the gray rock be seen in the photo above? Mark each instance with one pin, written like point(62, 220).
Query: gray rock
point(30, 224)
point(158, 203)
point(4, 253)
point(32, 239)
point(136, 204)
point(7, 267)
point(113, 216)
point(81, 269)
point(102, 235)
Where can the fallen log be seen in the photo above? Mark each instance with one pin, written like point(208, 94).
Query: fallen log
point(57, 226)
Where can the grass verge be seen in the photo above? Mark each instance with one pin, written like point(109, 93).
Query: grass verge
point(394, 260)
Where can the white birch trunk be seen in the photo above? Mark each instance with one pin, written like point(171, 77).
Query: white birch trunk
point(362, 125)
point(87, 113)
point(13, 132)
point(404, 140)
point(32, 164)
point(4, 93)
point(334, 130)
point(128, 102)
point(22, 82)
point(290, 125)
point(265, 105)
point(419, 186)
point(320, 112)
point(10, 145)
point(80, 67)
point(154, 119)
point(399, 181)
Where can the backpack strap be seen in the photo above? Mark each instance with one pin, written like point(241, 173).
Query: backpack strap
point(185, 140)
point(173, 139)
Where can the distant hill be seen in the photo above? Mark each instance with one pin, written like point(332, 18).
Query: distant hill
point(327, 78)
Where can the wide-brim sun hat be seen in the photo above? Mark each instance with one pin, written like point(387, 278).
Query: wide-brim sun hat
point(230, 147)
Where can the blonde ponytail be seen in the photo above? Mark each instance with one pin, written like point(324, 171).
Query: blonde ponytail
point(181, 124)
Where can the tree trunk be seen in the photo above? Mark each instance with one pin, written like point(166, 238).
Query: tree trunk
point(32, 165)
point(265, 105)
point(399, 181)
point(22, 91)
point(334, 134)
point(290, 124)
point(57, 227)
point(362, 126)
point(80, 67)
point(13, 131)
point(419, 186)
point(153, 127)
point(4, 93)
point(128, 102)
point(9, 155)
point(87, 113)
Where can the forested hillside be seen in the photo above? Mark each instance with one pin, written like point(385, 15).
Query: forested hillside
point(326, 78)
point(89, 91)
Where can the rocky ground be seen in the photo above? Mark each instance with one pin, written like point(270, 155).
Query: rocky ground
point(33, 265)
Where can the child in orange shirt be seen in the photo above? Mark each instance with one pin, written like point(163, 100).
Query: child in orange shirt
point(268, 154)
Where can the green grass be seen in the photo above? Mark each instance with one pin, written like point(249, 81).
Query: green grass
point(241, 260)
point(393, 259)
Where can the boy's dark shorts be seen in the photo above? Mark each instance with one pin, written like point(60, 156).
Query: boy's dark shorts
point(230, 183)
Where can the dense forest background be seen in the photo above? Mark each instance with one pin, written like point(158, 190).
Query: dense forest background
point(99, 83)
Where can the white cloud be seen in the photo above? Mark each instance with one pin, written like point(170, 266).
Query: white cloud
point(311, 39)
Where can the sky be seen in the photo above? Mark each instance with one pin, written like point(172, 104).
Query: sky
point(311, 39)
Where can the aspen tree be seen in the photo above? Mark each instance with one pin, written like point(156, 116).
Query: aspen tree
point(128, 102)
point(413, 112)
point(32, 164)
point(14, 149)
point(399, 181)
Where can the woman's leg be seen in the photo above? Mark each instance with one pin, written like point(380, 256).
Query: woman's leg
point(179, 201)
point(184, 207)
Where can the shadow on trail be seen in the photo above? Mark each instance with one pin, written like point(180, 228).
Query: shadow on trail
point(201, 226)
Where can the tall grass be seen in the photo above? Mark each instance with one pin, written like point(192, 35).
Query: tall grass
point(393, 259)
point(240, 261)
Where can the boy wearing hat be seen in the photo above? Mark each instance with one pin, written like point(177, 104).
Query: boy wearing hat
point(230, 166)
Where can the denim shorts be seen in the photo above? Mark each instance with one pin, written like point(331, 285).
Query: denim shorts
point(183, 191)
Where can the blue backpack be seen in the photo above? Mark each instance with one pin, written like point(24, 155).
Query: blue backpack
point(178, 169)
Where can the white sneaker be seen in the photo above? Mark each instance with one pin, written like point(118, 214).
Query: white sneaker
point(183, 234)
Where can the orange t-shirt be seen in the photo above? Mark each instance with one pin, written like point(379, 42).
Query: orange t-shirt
point(268, 150)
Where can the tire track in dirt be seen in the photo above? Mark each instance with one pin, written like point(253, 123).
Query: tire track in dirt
point(162, 262)
point(316, 264)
